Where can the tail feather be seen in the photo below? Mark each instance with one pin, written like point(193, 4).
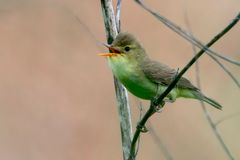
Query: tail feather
point(212, 102)
point(196, 94)
point(200, 96)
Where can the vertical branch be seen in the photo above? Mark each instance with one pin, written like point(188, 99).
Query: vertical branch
point(118, 13)
point(121, 93)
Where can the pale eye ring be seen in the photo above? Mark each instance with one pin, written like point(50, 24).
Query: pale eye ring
point(127, 49)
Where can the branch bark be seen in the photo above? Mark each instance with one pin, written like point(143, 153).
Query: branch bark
point(121, 93)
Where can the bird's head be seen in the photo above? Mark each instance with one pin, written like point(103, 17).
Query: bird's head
point(125, 45)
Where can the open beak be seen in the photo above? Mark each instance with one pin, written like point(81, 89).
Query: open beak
point(113, 51)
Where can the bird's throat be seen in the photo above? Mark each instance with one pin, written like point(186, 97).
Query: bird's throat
point(129, 72)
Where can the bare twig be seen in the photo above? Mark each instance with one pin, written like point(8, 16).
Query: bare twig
point(141, 110)
point(214, 58)
point(185, 34)
point(205, 111)
point(226, 71)
point(157, 140)
point(227, 118)
point(121, 93)
point(87, 29)
point(195, 58)
point(82, 24)
point(156, 102)
point(216, 132)
point(141, 124)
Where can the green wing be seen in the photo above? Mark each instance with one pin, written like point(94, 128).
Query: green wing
point(162, 74)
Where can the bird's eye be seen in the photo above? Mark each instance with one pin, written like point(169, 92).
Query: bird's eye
point(127, 49)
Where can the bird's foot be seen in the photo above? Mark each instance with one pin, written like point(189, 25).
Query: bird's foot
point(157, 107)
point(170, 100)
point(142, 128)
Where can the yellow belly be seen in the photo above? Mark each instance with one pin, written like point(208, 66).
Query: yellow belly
point(132, 78)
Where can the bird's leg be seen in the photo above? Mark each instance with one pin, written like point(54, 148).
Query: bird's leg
point(142, 128)
point(172, 96)
point(157, 108)
point(170, 100)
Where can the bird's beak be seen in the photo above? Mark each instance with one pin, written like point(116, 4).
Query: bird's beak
point(113, 51)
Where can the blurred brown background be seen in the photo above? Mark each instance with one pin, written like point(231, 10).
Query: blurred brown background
point(57, 98)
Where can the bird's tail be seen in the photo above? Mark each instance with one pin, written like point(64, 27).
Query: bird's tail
point(200, 96)
point(196, 94)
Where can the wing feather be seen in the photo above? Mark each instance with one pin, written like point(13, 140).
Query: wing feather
point(162, 74)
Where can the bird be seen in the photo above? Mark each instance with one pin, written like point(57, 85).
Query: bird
point(146, 78)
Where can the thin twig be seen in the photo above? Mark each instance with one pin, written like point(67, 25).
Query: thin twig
point(227, 118)
point(121, 93)
point(205, 111)
point(82, 24)
point(87, 29)
point(214, 58)
point(147, 115)
point(195, 58)
point(159, 100)
point(235, 80)
point(216, 132)
point(141, 110)
point(157, 140)
point(185, 34)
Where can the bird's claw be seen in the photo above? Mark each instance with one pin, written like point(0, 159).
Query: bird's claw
point(168, 100)
point(159, 108)
point(142, 129)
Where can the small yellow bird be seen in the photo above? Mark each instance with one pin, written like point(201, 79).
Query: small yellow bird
point(146, 78)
